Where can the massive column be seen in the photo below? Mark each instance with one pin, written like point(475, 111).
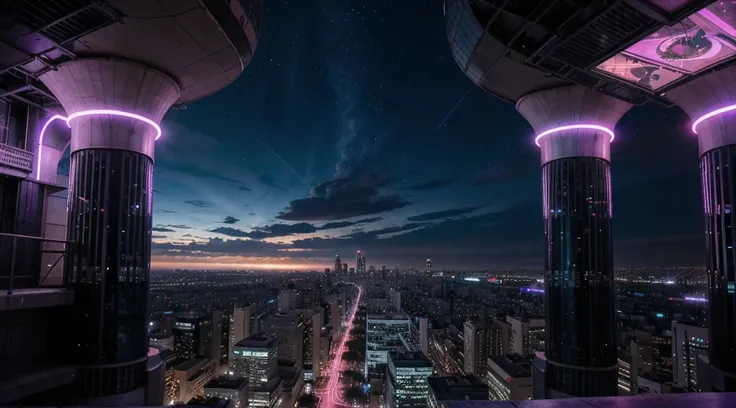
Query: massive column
point(574, 130)
point(113, 108)
point(710, 101)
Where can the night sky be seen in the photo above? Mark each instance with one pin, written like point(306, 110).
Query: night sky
point(330, 141)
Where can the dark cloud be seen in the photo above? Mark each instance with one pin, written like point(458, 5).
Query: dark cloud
point(198, 203)
point(388, 230)
point(343, 224)
point(158, 236)
point(179, 226)
point(218, 246)
point(230, 232)
point(281, 230)
point(270, 181)
point(252, 214)
point(166, 211)
point(343, 198)
point(511, 171)
point(162, 229)
point(433, 185)
point(244, 188)
point(437, 215)
point(230, 220)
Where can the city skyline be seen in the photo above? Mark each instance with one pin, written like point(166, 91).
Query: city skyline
point(324, 147)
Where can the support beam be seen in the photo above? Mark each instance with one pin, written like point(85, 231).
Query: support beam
point(574, 127)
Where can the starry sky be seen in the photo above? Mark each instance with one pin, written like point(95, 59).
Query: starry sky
point(345, 133)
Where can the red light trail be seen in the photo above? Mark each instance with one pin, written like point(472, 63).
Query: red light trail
point(330, 396)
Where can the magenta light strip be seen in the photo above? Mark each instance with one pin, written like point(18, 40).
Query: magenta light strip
point(90, 112)
point(572, 127)
point(711, 114)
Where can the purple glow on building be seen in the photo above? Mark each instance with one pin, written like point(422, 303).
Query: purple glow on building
point(40, 143)
point(695, 299)
point(532, 290)
point(572, 127)
point(710, 114)
point(114, 112)
point(90, 112)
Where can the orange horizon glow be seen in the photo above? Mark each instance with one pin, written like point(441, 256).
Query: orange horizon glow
point(232, 262)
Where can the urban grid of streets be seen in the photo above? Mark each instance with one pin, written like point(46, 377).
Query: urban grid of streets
point(331, 395)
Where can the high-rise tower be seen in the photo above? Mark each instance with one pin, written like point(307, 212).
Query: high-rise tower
point(360, 263)
point(338, 265)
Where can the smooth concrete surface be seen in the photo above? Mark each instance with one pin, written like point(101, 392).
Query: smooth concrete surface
point(34, 298)
point(703, 95)
point(86, 84)
point(572, 105)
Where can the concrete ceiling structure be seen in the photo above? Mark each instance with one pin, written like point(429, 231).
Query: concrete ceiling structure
point(202, 45)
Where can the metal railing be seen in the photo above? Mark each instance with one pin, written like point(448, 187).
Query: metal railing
point(16, 158)
point(26, 243)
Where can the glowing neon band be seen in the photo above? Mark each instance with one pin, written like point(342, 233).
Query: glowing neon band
point(572, 127)
point(90, 112)
point(710, 115)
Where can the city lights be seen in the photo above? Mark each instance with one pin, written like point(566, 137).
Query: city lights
point(90, 112)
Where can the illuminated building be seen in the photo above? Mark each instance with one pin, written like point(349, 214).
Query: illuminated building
point(239, 327)
point(192, 334)
point(476, 337)
point(338, 265)
point(192, 375)
point(234, 390)
point(525, 335)
point(360, 263)
point(383, 335)
point(688, 341)
point(407, 379)
point(507, 380)
point(255, 358)
point(455, 388)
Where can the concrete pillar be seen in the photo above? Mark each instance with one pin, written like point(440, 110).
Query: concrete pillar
point(574, 127)
point(113, 108)
point(707, 100)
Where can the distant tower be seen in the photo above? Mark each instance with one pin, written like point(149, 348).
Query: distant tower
point(345, 268)
point(429, 267)
point(360, 263)
point(338, 265)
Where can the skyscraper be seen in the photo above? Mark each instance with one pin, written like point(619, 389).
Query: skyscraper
point(345, 268)
point(256, 358)
point(192, 334)
point(428, 269)
point(239, 327)
point(407, 379)
point(338, 265)
point(360, 263)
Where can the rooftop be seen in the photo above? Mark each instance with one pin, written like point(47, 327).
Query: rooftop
point(704, 400)
point(461, 387)
point(188, 364)
point(409, 359)
point(512, 369)
point(257, 342)
point(228, 383)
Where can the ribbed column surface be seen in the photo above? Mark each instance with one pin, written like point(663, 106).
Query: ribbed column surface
point(109, 211)
point(576, 197)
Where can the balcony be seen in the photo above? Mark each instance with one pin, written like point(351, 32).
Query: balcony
point(32, 273)
point(15, 162)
